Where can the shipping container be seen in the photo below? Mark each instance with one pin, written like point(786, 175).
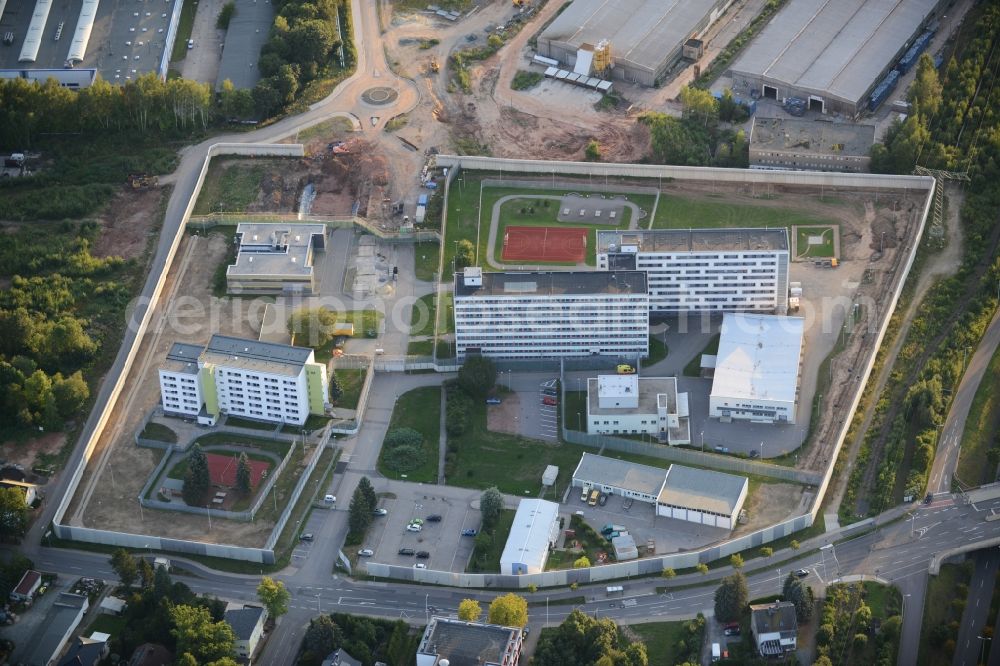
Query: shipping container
point(912, 55)
point(883, 90)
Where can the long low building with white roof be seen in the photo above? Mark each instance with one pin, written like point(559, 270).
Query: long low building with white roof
point(757, 369)
point(534, 531)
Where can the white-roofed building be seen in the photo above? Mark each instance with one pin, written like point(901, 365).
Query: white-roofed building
point(757, 369)
point(534, 531)
point(631, 405)
point(275, 259)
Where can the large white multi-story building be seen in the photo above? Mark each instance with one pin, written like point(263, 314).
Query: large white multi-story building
point(757, 369)
point(257, 380)
point(703, 270)
point(551, 314)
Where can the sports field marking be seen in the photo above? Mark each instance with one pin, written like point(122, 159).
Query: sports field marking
point(815, 242)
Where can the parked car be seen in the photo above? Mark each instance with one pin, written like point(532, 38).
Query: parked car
point(434, 518)
point(330, 499)
point(406, 551)
point(585, 494)
point(190, 44)
point(754, 453)
point(470, 532)
point(419, 565)
point(549, 400)
point(929, 498)
point(493, 401)
point(414, 528)
point(416, 521)
point(732, 629)
point(722, 449)
point(603, 499)
point(627, 504)
point(380, 512)
point(625, 369)
point(306, 536)
point(548, 391)
point(801, 573)
point(366, 552)
point(422, 554)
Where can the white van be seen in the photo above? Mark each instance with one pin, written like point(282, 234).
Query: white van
point(716, 652)
point(379, 351)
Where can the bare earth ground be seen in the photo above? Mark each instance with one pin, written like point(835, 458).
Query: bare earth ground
point(503, 417)
point(118, 468)
point(771, 503)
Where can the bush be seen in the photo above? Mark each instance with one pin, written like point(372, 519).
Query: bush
point(404, 458)
point(226, 15)
point(524, 80)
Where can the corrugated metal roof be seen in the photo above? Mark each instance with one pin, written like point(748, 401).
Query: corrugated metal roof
point(702, 489)
point(833, 47)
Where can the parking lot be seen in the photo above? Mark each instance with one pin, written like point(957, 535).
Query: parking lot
point(128, 41)
point(671, 535)
point(534, 418)
point(448, 550)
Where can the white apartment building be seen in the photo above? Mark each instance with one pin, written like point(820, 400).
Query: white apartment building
point(247, 378)
point(699, 270)
point(632, 405)
point(757, 369)
point(551, 314)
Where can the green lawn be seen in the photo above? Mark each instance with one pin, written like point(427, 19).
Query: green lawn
point(576, 403)
point(420, 348)
point(276, 446)
point(464, 218)
point(675, 212)
point(446, 318)
point(661, 640)
point(350, 383)
point(426, 258)
point(693, 367)
point(419, 409)
point(825, 249)
point(108, 624)
point(159, 432)
point(422, 318)
point(950, 585)
point(489, 562)
point(981, 428)
point(231, 185)
point(657, 351)
point(184, 27)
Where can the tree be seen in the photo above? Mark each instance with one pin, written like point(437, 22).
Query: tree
point(925, 93)
point(312, 327)
point(162, 582)
point(403, 459)
point(146, 574)
point(581, 562)
point(196, 479)
point(668, 573)
point(322, 637)
point(823, 660)
point(403, 437)
point(794, 544)
point(508, 610)
point(469, 610)
point(465, 255)
point(359, 514)
point(766, 551)
point(478, 375)
point(199, 635)
point(243, 474)
point(490, 506)
point(274, 596)
point(582, 639)
point(701, 568)
point(368, 490)
point(125, 566)
point(70, 393)
point(13, 514)
point(731, 597)
point(736, 561)
point(592, 153)
point(801, 595)
point(699, 105)
point(336, 390)
point(226, 15)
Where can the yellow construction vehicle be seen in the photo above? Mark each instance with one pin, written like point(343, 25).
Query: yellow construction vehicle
point(140, 181)
point(435, 66)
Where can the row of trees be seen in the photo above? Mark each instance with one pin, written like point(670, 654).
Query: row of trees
point(698, 138)
point(846, 625)
point(508, 610)
point(369, 640)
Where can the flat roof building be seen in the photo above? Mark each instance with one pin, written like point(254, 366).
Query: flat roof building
point(275, 259)
point(551, 314)
point(757, 369)
point(632, 405)
point(534, 531)
point(264, 381)
point(646, 36)
point(703, 270)
point(810, 145)
point(831, 53)
point(695, 495)
point(460, 643)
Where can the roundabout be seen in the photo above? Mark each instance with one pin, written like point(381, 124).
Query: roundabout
point(379, 96)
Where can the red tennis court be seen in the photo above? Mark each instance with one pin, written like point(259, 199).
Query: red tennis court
point(222, 469)
point(545, 244)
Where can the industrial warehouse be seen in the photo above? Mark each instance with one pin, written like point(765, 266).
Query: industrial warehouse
point(684, 493)
point(831, 53)
point(644, 37)
point(757, 369)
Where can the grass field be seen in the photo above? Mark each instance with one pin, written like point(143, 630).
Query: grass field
point(420, 348)
point(419, 409)
point(422, 319)
point(426, 257)
point(489, 562)
point(818, 251)
point(981, 428)
point(661, 639)
point(184, 27)
point(350, 383)
point(676, 212)
point(657, 351)
point(159, 432)
point(230, 186)
point(464, 217)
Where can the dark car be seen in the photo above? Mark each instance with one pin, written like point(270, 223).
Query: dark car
point(603, 499)
point(929, 498)
point(469, 532)
point(308, 536)
point(434, 518)
point(380, 512)
point(548, 391)
point(406, 551)
point(754, 453)
point(422, 554)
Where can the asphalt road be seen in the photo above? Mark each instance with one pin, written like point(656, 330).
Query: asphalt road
point(969, 646)
point(946, 458)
